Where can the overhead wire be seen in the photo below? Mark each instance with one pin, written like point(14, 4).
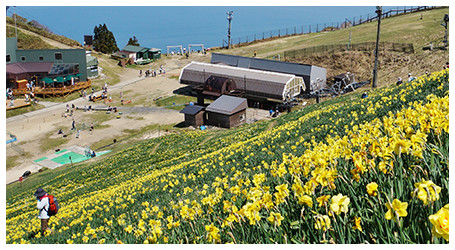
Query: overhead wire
point(27, 15)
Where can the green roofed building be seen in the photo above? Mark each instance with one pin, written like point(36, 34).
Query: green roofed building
point(139, 54)
point(155, 53)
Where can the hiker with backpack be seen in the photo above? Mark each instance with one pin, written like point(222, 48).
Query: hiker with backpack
point(47, 206)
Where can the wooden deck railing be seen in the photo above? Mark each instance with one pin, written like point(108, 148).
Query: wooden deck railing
point(52, 92)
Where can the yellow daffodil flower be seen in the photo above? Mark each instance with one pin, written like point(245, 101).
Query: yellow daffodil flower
point(397, 208)
point(212, 233)
point(427, 191)
point(440, 221)
point(275, 218)
point(322, 200)
point(357, 225)
point(372, 189)
point(339, 204)
point(322, 222)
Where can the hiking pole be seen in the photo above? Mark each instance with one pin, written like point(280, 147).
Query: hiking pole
point(62, 220)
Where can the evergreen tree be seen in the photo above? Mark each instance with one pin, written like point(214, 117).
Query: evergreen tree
point(104, 40)
point(133, 41)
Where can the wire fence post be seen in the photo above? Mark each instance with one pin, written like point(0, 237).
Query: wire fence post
point(341, 25)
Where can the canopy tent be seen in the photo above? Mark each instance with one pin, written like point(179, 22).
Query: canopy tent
point(68, 77)
point(59, 79)
point(47, 80)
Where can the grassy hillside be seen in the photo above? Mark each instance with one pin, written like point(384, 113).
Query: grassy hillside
point(27, 40)
point(407, 28)
point(305, 177)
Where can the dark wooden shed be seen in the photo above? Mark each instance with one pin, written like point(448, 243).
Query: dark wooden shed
point(227, 112)
point(194, 115)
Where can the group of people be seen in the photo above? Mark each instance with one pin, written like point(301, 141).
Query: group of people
point(28, 97)
point(30, 85)
point(89, 153)
point(410, 79)
point(69, 110)
point(112, 109)
point(151, 72)
point(274, 113)
point(92, 96)
point(184, 52)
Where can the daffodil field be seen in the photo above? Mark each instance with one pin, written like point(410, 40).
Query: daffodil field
point(349, 170)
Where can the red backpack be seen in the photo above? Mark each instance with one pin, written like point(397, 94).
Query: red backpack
point(53, 205)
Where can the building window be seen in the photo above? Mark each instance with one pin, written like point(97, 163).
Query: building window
point(8, 58)
point(58, 56)
point(23, 58)
point(41, 58)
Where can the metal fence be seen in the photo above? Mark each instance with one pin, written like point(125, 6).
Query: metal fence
point(332, 48)
point(315, 28)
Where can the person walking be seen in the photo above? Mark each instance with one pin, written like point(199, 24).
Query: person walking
point(43, 207)
point(410, 78)
point(400, 81)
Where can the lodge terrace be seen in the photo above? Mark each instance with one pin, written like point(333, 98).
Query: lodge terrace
point(55, 72)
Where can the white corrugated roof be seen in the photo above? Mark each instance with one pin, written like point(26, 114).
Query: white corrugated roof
point(241, 72)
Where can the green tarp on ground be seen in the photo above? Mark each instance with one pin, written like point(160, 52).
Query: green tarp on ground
point(75, 157)
point(40, 159)
point(64, 159)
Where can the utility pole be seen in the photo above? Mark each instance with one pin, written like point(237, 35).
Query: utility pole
point(15, 25)
point(444, 23)
point(376, 51)
point(229, 18)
